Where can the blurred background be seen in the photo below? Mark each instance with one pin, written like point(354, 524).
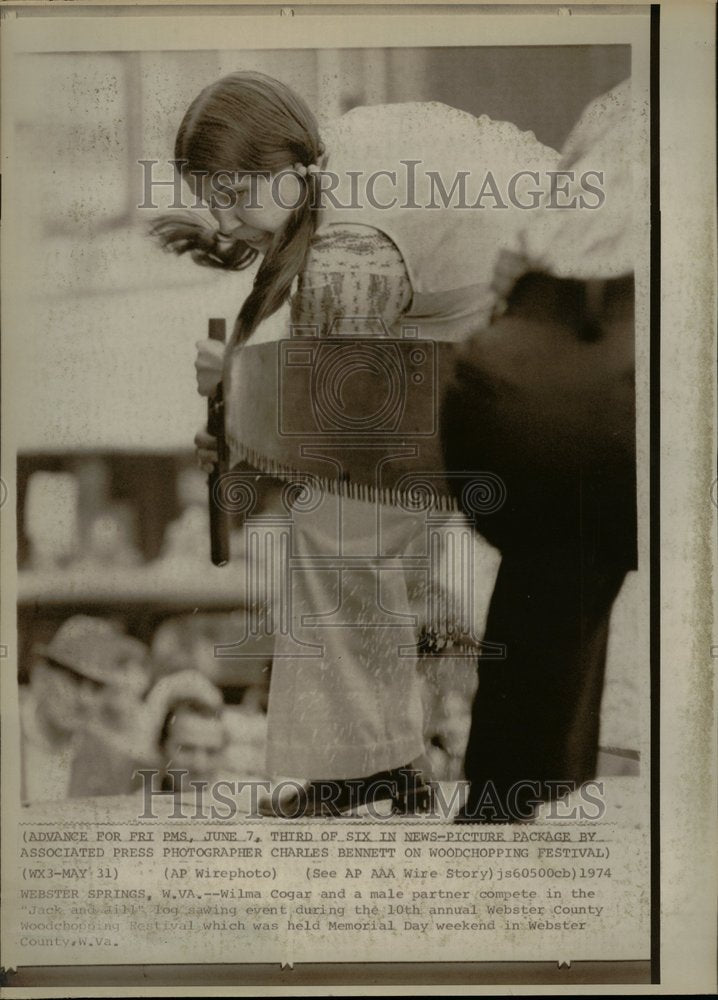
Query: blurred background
point(111, 511)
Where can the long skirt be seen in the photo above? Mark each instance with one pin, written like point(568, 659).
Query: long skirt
point(345, 697)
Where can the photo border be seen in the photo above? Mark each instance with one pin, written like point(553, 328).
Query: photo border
point(431, 972)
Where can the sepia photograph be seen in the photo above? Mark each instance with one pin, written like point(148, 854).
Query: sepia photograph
point(329, 365)
point(344, 669)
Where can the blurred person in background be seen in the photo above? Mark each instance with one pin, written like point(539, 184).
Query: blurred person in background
point(79, 682)
point(183, 726)
point(189, 729)
point(193, 739)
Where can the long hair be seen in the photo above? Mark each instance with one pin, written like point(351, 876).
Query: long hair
point(247, 122)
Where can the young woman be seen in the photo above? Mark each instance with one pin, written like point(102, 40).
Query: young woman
point(387, 227)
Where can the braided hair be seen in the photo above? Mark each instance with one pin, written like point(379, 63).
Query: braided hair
point(252, 123)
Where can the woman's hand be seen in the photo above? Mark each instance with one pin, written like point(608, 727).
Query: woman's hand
point(208, 365)
point(206, 450)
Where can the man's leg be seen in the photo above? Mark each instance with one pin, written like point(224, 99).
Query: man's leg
point(544, 398)
point(536, 714)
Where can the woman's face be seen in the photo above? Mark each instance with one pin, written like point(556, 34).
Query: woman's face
point(253, 207)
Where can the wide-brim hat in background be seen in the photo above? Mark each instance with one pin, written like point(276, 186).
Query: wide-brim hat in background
point(96, 649)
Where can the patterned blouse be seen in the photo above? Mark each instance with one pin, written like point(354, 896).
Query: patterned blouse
point(353, 273)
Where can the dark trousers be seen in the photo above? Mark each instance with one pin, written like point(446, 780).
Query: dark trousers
point(535, 719)
point(545, 400)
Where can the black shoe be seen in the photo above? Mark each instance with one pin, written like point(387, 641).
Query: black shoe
point(335, 797)
point(414, 796)
point(505, 801)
